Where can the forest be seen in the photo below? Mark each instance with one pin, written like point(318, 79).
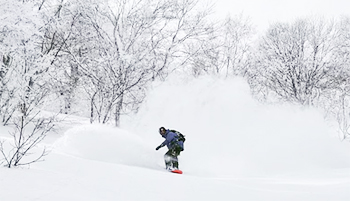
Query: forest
point(97, 58)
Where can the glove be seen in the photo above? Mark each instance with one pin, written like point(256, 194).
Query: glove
point(158, 147)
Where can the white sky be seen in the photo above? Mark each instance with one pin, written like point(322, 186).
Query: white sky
point(265, 12)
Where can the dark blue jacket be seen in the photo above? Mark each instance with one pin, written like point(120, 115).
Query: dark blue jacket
point(171, 140)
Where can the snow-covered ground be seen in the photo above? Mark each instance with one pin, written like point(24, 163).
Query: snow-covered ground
point(236, 149)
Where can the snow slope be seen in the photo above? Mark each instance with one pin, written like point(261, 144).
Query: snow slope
point(236, 149)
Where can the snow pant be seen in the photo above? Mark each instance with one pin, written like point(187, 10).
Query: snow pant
point(171, 159)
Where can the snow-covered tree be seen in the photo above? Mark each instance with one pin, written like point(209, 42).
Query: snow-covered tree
point(225, 50)
point(115, 48)
point(336, 100)
point(295, 61)
point(24, 78)
point(22, 60)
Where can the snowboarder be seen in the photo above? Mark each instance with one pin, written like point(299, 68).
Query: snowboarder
point(174, 145)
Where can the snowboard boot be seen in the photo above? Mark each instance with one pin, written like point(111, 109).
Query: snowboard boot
point(168, 162)
point(176, 165)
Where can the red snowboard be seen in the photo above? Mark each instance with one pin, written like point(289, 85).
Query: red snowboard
point(177, 171)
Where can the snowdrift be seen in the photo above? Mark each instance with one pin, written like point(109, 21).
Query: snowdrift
point(107, 144)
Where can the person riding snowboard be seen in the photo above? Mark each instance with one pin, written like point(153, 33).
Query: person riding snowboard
point(174, 145)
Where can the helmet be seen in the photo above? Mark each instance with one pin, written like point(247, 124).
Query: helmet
point(162, 130)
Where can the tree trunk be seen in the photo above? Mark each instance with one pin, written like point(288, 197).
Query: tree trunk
point(118, 108)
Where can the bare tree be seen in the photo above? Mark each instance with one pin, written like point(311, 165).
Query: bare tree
point(118, 48)
point(19, 153)
point(296, 60)
point(225, 50)
point(25, 81)
point(336, 100)
point(29, 128)
point(19, 36)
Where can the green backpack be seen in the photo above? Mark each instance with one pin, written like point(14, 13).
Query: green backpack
point(181, 137)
